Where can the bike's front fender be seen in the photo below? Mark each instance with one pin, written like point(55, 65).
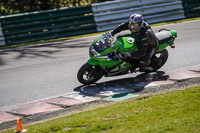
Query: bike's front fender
point(92, 62)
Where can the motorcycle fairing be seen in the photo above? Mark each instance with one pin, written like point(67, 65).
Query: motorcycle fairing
point(127, 44)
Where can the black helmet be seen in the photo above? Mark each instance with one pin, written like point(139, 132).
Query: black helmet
point(135, 22)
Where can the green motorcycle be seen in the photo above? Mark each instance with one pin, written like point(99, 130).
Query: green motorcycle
point(103, 52)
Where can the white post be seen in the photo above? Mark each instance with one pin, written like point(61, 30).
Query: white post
point(2, 40)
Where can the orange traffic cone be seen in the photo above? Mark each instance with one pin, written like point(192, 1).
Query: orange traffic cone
point(20, 127)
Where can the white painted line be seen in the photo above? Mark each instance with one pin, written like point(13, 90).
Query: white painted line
point(82, 97)
point(176, 23)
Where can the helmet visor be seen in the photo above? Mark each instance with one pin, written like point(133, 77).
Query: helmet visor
point(135, 24)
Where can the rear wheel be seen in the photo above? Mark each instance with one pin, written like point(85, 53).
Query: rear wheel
point(89, 74)
point(158, 60)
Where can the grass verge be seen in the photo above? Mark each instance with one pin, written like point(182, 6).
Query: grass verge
point(86, 35)
point(172, 112)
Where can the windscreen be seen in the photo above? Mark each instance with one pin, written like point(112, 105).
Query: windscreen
point(103, 43)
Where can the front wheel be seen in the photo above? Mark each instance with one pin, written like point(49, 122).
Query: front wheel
point(158, 60)
point(89, 74)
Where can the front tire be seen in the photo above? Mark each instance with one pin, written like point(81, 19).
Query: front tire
point(89, 74)
point(158, 60)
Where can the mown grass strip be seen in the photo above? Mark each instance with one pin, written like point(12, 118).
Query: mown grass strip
point(172, 112)
point(86, 35)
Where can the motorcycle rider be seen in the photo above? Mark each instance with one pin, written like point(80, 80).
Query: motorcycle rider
point(145, 38)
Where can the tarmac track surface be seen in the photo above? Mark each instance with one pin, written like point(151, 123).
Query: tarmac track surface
point(35, 73)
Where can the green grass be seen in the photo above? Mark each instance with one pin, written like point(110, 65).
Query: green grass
point(172, 112)
point(86, 35)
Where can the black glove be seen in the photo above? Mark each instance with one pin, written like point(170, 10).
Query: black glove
point(111, 33)
point(124, 56)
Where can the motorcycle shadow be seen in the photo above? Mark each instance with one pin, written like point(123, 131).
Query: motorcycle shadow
point(122, 86)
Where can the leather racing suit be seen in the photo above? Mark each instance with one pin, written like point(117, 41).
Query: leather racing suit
point(146, 40)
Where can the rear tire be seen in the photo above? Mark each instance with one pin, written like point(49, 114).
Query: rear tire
point(158, 60)
point(89, 74)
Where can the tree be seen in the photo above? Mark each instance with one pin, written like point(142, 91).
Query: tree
point(8, 7)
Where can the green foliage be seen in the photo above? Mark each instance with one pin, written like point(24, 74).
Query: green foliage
point(8, 7)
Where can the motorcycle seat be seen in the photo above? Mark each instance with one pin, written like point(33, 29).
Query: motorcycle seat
point(163, 36)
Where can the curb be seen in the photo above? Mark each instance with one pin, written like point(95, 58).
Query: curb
point(99, 94)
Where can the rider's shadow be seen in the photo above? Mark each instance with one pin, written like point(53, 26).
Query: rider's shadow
point(122, 86)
